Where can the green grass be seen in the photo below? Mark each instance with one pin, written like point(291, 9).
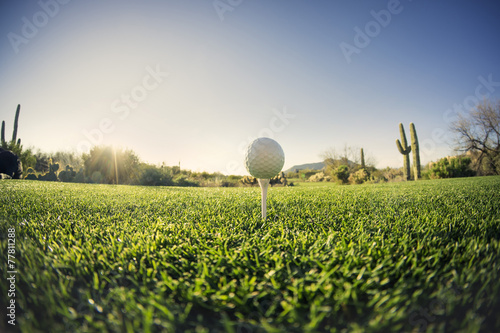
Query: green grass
point(391, 257)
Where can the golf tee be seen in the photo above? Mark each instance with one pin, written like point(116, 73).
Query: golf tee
point(264, 183)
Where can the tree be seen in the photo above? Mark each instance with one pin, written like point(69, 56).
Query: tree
point(42, 162)
point(105, 164)
point(353, 158)
point(450, 167)
point(479, 134)
point(68, 158)
point(151, 175)
point(347, 156)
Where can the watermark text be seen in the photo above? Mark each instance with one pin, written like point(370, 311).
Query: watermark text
point(12, 275)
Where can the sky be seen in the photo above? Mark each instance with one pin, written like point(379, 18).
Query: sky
point(196, 81)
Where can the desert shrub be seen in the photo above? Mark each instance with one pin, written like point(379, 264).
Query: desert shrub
point(341, 174)
point(31, 176)
point(154, 176)
point(320, 177)
point(393, 175)
point(68, 158)
point(67, 175)
point(358, 177)
point(49, 176)
point(307, 173)
point(183, 180)
point(233, 179)
point(42, 162)
point(280, 179)
point(452, 167)
point(80, 176)
point(248, 181)
point(376, 176)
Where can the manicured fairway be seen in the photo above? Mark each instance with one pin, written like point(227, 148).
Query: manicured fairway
point(391, 258)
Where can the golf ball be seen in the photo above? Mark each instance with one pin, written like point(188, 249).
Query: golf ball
point(264, 158)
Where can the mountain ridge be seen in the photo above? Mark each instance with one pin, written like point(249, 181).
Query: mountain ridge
point(312, 166)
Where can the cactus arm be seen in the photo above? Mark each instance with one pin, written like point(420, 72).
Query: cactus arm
point(403, 135)
point(401, 150)
point(16, 122)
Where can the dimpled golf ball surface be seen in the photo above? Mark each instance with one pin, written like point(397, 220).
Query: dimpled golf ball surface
point(264, 158)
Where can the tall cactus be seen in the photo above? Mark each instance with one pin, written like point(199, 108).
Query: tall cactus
point(16, 122)
point(14, 133)
point(416, 152)
point(362, 159)
point(2, 142)
point(405, 150)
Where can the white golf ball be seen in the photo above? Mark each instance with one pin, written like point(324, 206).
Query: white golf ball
point(264, 158)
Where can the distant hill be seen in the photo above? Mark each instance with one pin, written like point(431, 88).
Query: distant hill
point(312, 166)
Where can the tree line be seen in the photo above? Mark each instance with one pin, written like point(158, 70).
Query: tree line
point(477, 144)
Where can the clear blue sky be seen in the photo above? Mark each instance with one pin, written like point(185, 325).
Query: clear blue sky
point(194, 81)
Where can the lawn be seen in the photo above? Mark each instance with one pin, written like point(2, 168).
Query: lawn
point(401, 257)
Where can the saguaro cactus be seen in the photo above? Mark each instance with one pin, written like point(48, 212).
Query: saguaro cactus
point(2, 142)
point(416, 152)
point(405, 150)
point(14, 133)
point(362, 159)
point(16, 122)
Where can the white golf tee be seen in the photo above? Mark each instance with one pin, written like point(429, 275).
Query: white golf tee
point(264, 183)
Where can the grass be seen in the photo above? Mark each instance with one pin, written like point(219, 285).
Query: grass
point(405, 257)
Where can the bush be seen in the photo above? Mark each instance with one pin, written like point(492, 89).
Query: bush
point(279, 180)
point(376, 176)
point(68, 158)
point(393, 175)
point(112, 164)
point(42, 162)
point(154, 176)
point(182, 180)
point(358, 177)
point(248, 181)
point(341, 173)
point(307, 173)
point(452, 167)
point(80, 176)
point(67, 175)
point(233, 179)
point(50, 176)
point(31, 176)
point(320, 177)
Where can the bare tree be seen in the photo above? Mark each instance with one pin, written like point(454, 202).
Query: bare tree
point(345, 156)
point(479, 134)
point(348, 155)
